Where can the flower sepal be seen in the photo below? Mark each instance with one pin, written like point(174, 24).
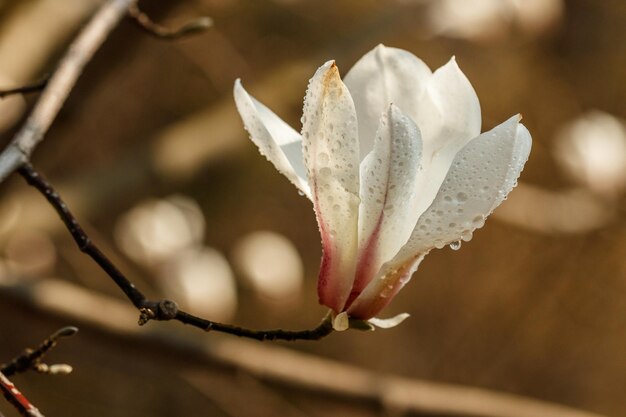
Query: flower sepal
point(342, 322)
point(388, 323)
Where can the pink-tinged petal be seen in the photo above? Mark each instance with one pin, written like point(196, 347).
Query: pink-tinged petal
point(381, 77)
point(331, 155)
point(481, 176)
point(388, 198)
point(276, 140)
point(382, 289)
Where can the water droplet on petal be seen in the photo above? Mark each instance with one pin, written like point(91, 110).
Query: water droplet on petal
point(478, 222)
point(455, 245)
point(466, 235)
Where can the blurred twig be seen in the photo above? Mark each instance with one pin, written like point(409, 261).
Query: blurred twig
point(31, 358)
point(15, 397)
point(63, 79)
point(150, 309)
point(27, 88)
point(149, 26)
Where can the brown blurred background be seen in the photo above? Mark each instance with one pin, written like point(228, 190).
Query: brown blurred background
point(151, 155)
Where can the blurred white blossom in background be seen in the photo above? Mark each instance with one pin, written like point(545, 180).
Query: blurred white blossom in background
point(201, 280)
point(166, 237)
point(487, 19)
point(592, 151)
point(155, 230)
point(270, 264)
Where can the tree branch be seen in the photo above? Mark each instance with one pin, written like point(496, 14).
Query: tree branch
point(31, 359)
point(149, 26)
point(61, 83)
point(150, 309)
point(17, 399)
point(27, 88)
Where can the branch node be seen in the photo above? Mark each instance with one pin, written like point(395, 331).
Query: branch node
point(145, 315)
point(167, 310)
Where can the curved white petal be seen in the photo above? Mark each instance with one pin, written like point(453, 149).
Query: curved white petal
point(381, 77)
point(331, 155)
point(449, 110)
point(276, 140)
point(480, 177)
point(388, 175)
point(449, 117)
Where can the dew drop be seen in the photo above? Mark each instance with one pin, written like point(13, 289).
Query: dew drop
point(455, 245)
point(478, 222)
point(466, 235)
point(461, 197)
point(323, 157)
point(325, 172)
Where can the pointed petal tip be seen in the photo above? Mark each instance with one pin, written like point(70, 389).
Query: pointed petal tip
point(237, 87)
point(453, 63)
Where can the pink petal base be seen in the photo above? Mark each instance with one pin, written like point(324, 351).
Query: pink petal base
point(373, 300)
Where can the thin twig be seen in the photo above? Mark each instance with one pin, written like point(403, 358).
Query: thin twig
point(31, 359)
point(15, 397)
point(149, 26)
point(61, 83)
point(27, 88)
point(150, 309)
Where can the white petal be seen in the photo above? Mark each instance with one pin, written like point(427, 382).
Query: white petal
point(481, 176)
point(381, 77)
point(449, 118)
point(331, 155)
point(276, 140)
point(390, 322)
point(388, 198)
point(449, 110)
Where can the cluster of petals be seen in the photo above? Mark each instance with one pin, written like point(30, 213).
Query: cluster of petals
point(394, 162)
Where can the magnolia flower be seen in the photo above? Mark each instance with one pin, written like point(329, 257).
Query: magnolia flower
point(395, 165)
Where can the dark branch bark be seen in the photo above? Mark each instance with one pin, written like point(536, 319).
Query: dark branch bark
point(150, 309)
point(28, 88)
point(31, 359)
